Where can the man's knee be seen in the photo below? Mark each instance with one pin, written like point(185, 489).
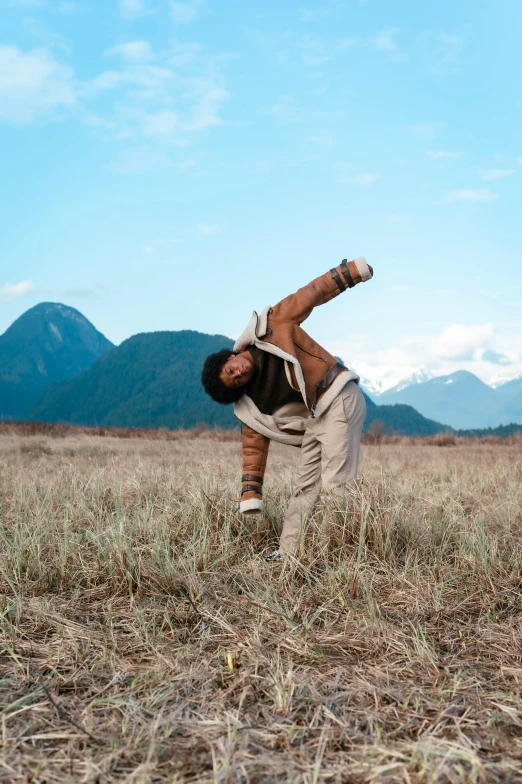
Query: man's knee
point(343, 491)
point(308, 487)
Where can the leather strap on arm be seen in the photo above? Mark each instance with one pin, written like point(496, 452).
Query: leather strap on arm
point(337, 278)
point(347, 275)
point(297, 307)
point(251, 489)
point(255, 453)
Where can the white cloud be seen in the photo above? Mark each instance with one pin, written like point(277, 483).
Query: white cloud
point(15, 291)
point(284, 111)
point(33, 85)
point(492, 354)
point(447, 53)
point(162, 124)
point(162, 101)
point(312, 14)
point(146, 82)
point(187, 11)
point(205, 112)
point(210, 228)
point(385, 40)
point(49, 39)
point(89, 291)
point(135, 51)
point(132, 9)
point(140, 160)
point(314, 51)
point(325, 140)
point(472, 195)
point(439, 155)
point(368, 178)
point(427, 130)
point(173, 98)
point(68, 8)
point(400, 219)
point(187, 54)
point(24, 3)
point(346, 43)
point(461, 341)
point(495, 174)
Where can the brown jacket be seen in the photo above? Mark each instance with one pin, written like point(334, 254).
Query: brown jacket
point(280, 332)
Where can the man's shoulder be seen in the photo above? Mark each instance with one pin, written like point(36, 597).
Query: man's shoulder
point(255, 329)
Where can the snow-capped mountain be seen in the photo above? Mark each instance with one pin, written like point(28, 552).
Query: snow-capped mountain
point(419, 376)
point(507, 385)
point(373, 388)
point(392, 381)
point(460, 399)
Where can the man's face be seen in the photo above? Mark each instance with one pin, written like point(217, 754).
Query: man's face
point(237, 370)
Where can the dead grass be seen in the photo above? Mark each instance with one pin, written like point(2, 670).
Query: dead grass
point(146, 641)
point(204, 432)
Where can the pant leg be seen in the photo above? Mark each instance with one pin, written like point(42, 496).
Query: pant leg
point(329, 459)
point(306, 490)
point(340, 436)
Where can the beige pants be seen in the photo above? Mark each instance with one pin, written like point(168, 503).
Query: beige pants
point(329, 460)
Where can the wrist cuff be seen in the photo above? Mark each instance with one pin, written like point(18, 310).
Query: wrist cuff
point(364, 270)
point(252, 506)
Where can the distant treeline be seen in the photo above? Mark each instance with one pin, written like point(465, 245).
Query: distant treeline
point(511, 438)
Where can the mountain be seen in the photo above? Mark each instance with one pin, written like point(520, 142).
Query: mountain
point(511, 410)
point(48, 343)
point(375, 388)
point(55, 366)
point(460, 399)
point(401, 419)
point(150, 380)
point(153, 380)
point(509, 396)
point(371, 388)
point(419, 376)
point(509, 389)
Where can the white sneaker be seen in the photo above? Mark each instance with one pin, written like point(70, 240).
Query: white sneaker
point(275, 556)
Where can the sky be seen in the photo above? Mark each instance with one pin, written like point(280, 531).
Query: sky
point(173, 165)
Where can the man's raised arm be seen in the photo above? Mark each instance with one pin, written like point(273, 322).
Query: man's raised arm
point(297, 307)
point(255, 452)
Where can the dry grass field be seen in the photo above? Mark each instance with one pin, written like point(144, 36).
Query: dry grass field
point(145, 639)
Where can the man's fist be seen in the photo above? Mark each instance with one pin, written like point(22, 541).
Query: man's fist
point(251, 506)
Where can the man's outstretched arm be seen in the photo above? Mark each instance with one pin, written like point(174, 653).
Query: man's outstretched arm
point(255, 452)
point(297, 307)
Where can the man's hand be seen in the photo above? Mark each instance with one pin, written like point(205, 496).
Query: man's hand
point(252, 505)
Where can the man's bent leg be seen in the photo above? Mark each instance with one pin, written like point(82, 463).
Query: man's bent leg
point(306, 491)
point(341, 431)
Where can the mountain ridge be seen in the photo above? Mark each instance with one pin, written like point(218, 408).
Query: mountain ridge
point(49, 342)
point(153, 380)
point(462, 400)
point(55, 365)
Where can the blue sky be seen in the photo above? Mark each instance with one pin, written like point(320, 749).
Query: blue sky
point(174, 165)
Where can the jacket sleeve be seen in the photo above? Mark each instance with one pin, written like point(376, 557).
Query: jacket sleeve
point(297, 307)
point(255, 452)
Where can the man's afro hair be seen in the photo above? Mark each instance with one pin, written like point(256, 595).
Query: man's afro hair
point(211, 381)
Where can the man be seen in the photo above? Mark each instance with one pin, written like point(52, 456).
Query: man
point(286, 387)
